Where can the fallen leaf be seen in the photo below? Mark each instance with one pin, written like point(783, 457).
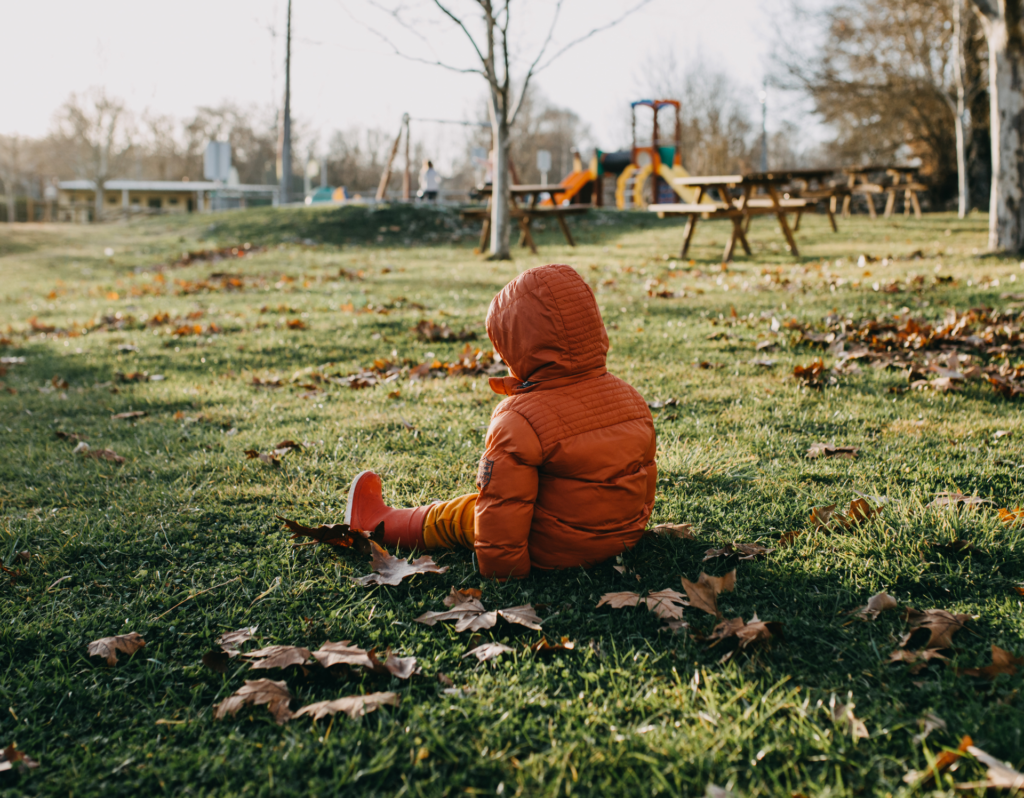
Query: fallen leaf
point(11, 756)
point(842, 716)
point(296, 324)
point(822, 516)
point(744, 635)
point(703, 594)
point(277, 657)
point(684, 531)
point(745, 551)
point(999, 775)
point(826, 518)
point(813, 375)
point(390, 570)
point(107, 647)
point(666, 604)
point(341, 653)
point(445, 680)
point(355, 706)
point(658, 405)
point(399, 667)
point(470, 614)
point(128, 415)
point(229, 641)
point(488, 651)
point(275, 695)
point(339, 535)
point(287, 446)
point(877, 604)
point(1012, 517)
point(947, 498)
point(940, 624)
point(542, 646)
point(100, 454)
point(787, 538)
point(461, 596)
point(929, 723)
point(1001, 433)
point(1002, 662)
point(270, 458)
point(917, 659)
point(830, 450)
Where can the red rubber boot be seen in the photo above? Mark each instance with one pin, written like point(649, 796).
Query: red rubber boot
point(366, 511)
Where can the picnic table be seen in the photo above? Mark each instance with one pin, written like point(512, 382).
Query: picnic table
point(526, 213)
point(814, 184)
point(760, 195)
point(904, 180)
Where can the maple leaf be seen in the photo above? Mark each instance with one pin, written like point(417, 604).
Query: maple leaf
point(703, 594)
point(542, 646)
point(830, 450)
point(277, 657)
point(107, 647)
point(745, 551)
point(355, 706)
point(666, 604)
point(1002, 662)
point(917, 659)
point(98, 454)
point(339, 535)
point(275, 695)
point(842, 716)
point(877, 604)
point(390, 570)
point(469, 613)
point(822, 518)
point(939, 625)
point(229, 641)
point(1012, 517)
point(269, 458)
point(684, 531)
point(128, 415)
point(11, 756)
point(746, 635)
point(488, 651)
point(999, 774)
point(399, 667)
point(949, 498)
point(457, 596)
point(342, 653)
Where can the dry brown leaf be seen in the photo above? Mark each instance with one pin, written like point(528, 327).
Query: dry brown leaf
point(787, 538)
point(684, 531)
point(666, 604)
point(277, 657)
point(918, 660)
point(287, 446)
point(744, 635)
point(339, 535)
point(487, 651)
point(830, 450)
point(391, 570)
point(11, 756)
point(1002, 662)
point(399, 667)
point(445, 680)
point(999, 774)
point(269, 458)
point(703, 594)
point(342, 653)
point(469, 613)
point(459, 596)
point(947, 498)
point(275, 695)
point(100, 454)
point(130, 414)
point(821, 517)
point(542, 646)
point(940, 625)
point(826, 518)
point(355, 706)
point(107, 647)
point(1012, 517)
point(878, 603)
point(842, 716)
point(230, 641)
point(745, 551)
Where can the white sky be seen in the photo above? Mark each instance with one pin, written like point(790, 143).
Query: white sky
point(170, 58)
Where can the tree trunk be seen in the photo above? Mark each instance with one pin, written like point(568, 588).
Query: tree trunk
point(501, 218)
point(1006, 98)
point(961, 160)
point(98, 212)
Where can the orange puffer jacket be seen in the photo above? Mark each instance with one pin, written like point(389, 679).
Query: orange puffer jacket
point(568, 475)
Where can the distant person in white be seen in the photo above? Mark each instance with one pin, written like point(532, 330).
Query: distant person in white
point(430, 182)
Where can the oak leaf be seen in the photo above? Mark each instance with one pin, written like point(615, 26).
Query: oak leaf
point(1002, 662)
point(275, 695)
point(355, 706)
point(745, 551)
point(277, 657)
point(390, 570)
point(11, 756)
point(107, 647)
point(684, 531)
point(877, 604)
point(488, 651)
point(830, 450)
point(342, 653)
point(703, 594)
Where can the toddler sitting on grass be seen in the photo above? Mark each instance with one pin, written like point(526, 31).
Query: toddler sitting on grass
point(568, 475)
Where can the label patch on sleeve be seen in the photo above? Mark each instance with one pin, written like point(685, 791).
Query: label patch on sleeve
point(483, 473)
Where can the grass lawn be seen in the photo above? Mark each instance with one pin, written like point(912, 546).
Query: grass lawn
point(182, 542)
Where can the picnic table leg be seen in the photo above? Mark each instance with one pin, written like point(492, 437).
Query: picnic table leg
point(831, 209)
point(917, 205)
point(871, 205)
point(565, 229)
point(796, 223)
point(782, 221)
point(730, 245)
point(890, 202)
point(739, 235)
point(485, 233)
point(691, 225)
point(524, 226)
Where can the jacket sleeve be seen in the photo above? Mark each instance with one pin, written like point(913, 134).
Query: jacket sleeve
point(507, 481)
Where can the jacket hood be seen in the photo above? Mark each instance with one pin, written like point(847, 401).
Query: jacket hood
point(546, 325)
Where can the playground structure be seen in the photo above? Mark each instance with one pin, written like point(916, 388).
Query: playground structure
point(644, 174)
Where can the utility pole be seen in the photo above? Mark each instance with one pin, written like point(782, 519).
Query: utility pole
point(286, 127)
point(763, 97)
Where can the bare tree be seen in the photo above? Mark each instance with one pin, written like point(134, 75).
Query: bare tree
point(487, 26)
point(10, 170)
point(1001, 21)
point(96, 129)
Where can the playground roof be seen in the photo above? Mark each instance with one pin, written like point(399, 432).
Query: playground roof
point(655, 104)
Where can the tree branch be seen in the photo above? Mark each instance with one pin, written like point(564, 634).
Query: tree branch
point(591, 33)
point(465, 30)
point(533, 67)
point(986, 8)
point(417, 59)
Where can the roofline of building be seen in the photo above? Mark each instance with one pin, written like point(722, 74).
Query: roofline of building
point(162, 185)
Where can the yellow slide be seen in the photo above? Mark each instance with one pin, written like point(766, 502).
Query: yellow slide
point(640, 176)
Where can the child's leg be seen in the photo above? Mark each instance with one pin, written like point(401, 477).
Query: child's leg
point(451, 524)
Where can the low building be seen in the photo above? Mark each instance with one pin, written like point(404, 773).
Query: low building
point(76, 201)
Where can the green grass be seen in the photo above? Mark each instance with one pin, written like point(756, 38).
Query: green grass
point(633, 710)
